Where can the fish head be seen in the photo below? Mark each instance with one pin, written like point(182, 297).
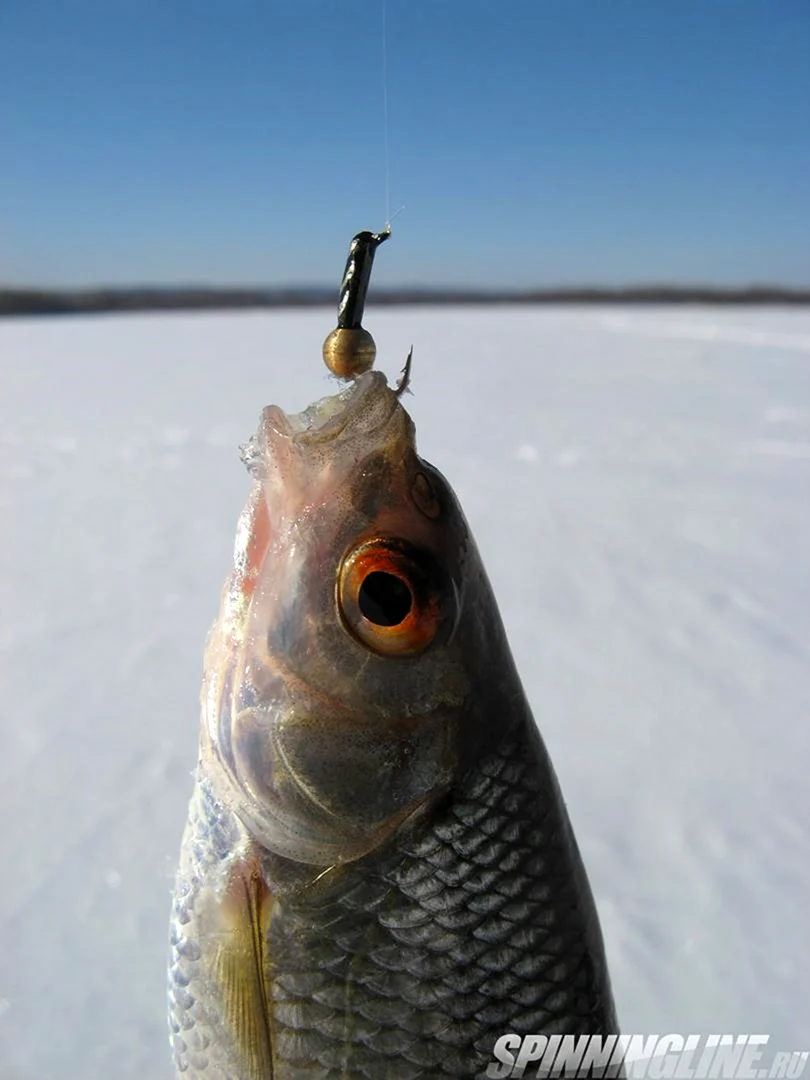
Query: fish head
point(339, 699)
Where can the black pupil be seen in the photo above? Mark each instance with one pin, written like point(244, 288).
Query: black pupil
point(384, 599)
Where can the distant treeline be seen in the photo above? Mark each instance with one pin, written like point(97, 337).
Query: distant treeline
point(90, 301)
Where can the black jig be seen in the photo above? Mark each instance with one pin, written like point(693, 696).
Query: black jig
point(350, 350)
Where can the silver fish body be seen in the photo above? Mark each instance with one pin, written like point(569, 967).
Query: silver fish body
point(378, 876)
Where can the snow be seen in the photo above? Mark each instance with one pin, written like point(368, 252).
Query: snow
point(639, 484)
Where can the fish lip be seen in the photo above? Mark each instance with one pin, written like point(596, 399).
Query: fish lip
point(362, 408)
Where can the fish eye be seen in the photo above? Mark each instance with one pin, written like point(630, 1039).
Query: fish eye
point(384, 599)
point(389, 597)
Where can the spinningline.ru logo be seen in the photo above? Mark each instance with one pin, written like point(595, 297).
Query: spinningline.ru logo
point(644, 1057)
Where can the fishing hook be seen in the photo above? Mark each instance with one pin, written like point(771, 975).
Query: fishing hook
point(404, 381)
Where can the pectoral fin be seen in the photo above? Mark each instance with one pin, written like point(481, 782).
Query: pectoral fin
point(240, 970)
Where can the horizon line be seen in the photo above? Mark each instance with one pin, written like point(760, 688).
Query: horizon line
point(35, 300)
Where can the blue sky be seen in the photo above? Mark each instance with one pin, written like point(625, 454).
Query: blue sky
point(531, 142)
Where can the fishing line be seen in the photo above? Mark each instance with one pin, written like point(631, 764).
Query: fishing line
point(385, 114)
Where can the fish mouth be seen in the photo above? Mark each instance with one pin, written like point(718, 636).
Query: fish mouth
point(345, 426)
point(363, 408)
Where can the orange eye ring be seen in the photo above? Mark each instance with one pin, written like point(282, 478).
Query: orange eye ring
point(389, 597)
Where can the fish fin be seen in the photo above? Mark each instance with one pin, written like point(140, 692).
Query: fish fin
point(241, 970)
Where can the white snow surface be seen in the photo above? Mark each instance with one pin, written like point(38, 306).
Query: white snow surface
point(639, 484)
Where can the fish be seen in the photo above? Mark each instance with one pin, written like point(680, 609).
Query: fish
point(378, 876)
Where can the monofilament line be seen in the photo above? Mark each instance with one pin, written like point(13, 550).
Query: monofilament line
point(385, 115)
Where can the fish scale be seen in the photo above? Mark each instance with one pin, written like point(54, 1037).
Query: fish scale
point(421, 958)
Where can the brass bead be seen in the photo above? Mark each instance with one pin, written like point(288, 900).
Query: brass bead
point(349, 351)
